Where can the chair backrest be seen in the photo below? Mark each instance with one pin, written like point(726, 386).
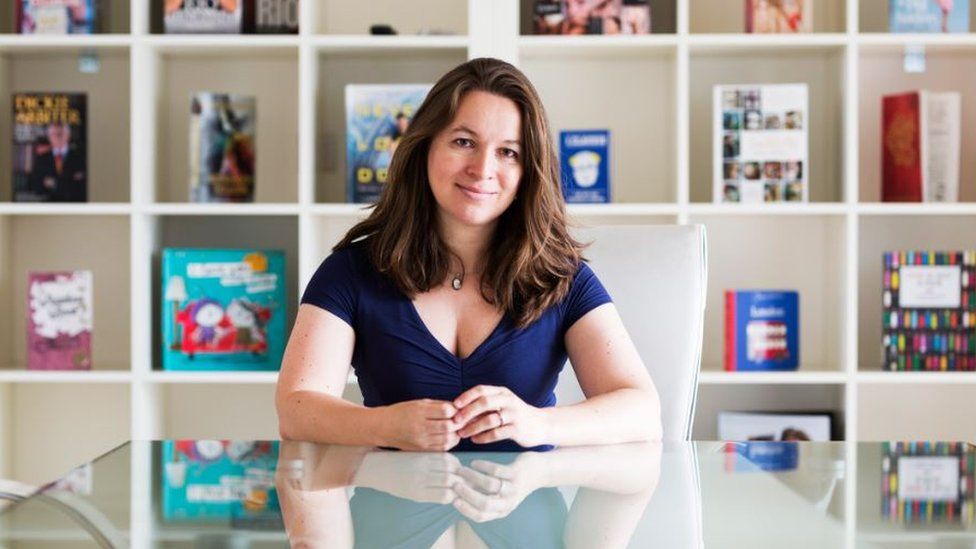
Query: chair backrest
point(657, 277)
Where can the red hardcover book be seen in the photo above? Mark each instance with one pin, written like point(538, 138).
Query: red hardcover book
point(901, 158)
point(730, 343)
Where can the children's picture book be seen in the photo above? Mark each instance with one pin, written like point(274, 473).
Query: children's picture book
point(202, 16)
point(60, 320)
point(924, 16)
point(929, 311)
point(377, 115)
point(223, 309)
point(779, 16)
point(222, 153)
point(760, 143)
point(220, 481)
point(49, 157)
point(762, 330)
point(592, 17)
point(768, 426)
point(920, 140)
point(928, 482)
point(584, 157)
point(57, 16)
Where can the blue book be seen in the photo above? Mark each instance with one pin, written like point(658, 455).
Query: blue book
point(217, 480)
point(376, 118)
point(223, 309)
point(762, 330)
point(928, 16)
point(584, 157)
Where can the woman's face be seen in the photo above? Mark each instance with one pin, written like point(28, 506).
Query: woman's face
point(475, 162)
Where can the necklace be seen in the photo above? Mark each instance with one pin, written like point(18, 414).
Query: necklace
point(456, 282)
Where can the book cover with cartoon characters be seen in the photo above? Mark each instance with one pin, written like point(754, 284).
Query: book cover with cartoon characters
point(223, 309)
point(59, 320)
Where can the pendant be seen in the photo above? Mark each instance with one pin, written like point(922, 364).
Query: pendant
point(456, 283)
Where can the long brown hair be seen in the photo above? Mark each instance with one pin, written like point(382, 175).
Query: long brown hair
point(531, 259)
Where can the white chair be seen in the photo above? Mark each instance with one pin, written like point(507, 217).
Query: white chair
point(656, 275)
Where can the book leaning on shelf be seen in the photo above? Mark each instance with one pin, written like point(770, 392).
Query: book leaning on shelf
point(59, 320)
point(222, 156)
point(779, 16)
point(762, 330)
point(377, 115)
point(58, 16)
point(592, 17)
point(929, 311)
point(50, 163)
point(924, 16)
point(920, 140)
point(223, 309)
point(584, 158)
point(760, 143)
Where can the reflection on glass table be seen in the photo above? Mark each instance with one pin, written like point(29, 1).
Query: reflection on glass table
point(206, 493)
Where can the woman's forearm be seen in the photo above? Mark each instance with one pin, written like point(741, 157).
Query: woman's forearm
point(623, 415)
point(319, 417)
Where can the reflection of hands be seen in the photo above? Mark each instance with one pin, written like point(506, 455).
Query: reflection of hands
point(425, 478)
point(488, 414)
point(491, 491)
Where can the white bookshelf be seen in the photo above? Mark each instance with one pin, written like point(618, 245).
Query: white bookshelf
point(653, 93)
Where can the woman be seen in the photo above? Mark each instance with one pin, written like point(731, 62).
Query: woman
point(459, 298)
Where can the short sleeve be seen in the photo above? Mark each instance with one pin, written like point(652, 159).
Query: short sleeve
point(585, 294)
point(334, 286)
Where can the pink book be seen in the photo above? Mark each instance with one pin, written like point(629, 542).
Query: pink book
point(59, 320)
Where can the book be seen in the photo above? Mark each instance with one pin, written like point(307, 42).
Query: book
point(377, 115)
point(762, 330)
point(760, 143)
point(920, 141)
point(60, 320)
point(222, 309)
point(57, 16)
point(753, 456)
point(591, 17)
point(780, 426)
point(924, 16)
point(220, 480)
point(273, 16)
point(929, 311)
point(222, 155)
point(50, 135)
point(779, 16)
point(202, 17)
point(928, 482)
point(584, 157)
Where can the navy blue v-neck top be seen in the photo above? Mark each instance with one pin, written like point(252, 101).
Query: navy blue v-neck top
point(397, 359)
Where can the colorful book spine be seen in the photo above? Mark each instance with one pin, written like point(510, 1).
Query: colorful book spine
point(585, 160)
point(59, 320)
point(929, 311)
point(222, 155)
point(928, 482)
point(762, 330)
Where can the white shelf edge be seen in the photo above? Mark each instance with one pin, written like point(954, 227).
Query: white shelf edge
point(222, 209)
point(772, 378)
point(90, 208)
point(899, 40)
point(913, 378)
point(800, 208)
point(38, 41)
point(37, 376)
point(586, 210)
point(394, 43)
point(213, 377)
point(529, 45)
point(887, 208)
point(751, 41)
point(164, 42)
point(340, 209)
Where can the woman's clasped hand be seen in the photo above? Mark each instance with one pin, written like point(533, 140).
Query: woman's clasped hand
point(484, 414)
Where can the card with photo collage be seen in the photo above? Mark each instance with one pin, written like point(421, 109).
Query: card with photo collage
point(761, 143)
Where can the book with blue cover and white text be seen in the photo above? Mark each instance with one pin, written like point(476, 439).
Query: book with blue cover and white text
point(762, 330)
point(584, 158)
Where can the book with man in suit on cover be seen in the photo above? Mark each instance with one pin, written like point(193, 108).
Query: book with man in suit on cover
point(49, 138)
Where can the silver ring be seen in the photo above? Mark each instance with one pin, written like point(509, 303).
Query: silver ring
point(501, 420)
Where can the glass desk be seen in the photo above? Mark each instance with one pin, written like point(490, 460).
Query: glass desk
point(248, 494)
